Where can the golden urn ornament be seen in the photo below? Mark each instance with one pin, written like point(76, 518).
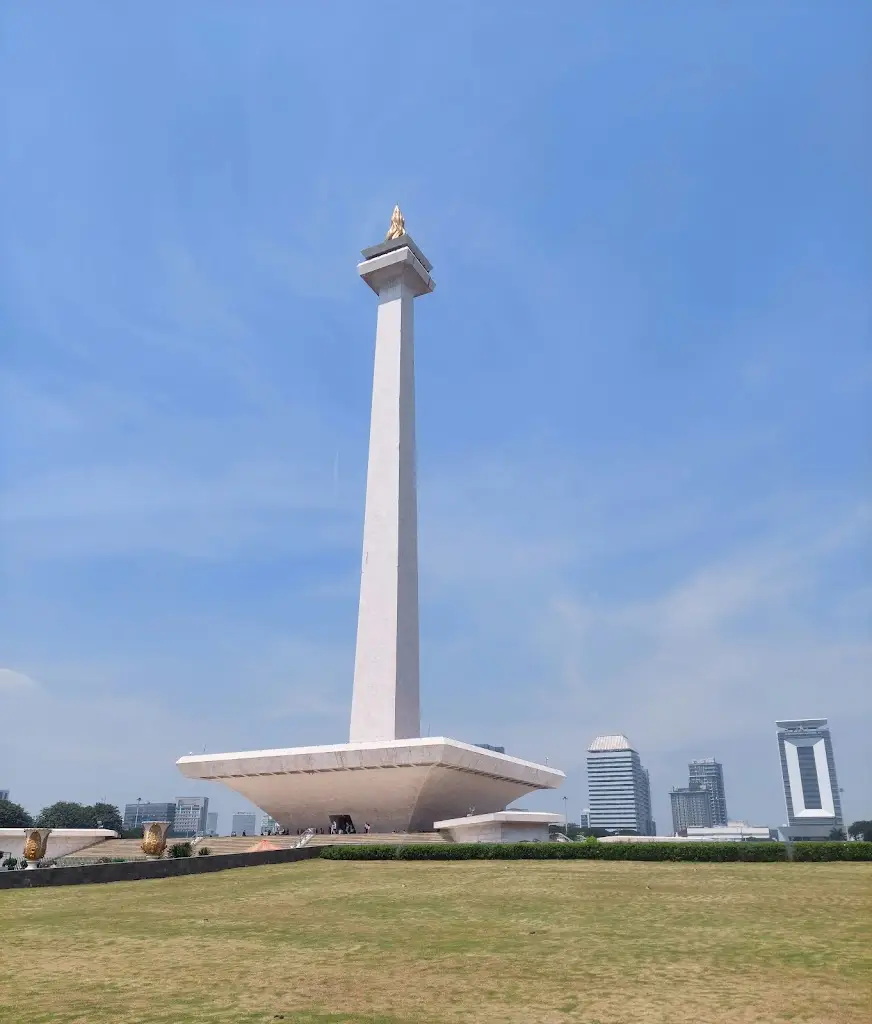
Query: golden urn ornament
point(398, 225)
point(35, 842)
point(154, 838)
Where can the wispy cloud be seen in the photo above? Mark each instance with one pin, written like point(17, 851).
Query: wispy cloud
point(12, 681)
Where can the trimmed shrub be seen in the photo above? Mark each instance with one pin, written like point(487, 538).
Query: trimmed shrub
point(203, 851)
point(713, 852)
point(180, 850)
point(832, 851)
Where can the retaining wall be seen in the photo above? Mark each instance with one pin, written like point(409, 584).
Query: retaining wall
point(131, 871)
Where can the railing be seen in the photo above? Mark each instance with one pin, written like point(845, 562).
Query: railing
point(304, 838)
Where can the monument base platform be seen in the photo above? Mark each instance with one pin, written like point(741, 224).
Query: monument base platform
point(398, 785)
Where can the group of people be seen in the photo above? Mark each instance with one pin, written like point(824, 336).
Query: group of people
point(337, 830)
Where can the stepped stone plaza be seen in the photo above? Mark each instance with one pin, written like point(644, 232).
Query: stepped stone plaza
point(387, 775)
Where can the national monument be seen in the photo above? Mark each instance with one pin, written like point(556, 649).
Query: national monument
point(387, 774)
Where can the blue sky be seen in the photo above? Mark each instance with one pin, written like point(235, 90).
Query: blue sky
point(643, 381)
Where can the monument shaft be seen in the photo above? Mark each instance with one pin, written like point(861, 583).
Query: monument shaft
point(385, 703)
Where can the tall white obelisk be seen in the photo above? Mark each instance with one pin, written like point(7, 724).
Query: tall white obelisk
point(386, 700)
point(388, 774)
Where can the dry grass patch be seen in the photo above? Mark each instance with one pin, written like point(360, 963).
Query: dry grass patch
point(496, 942)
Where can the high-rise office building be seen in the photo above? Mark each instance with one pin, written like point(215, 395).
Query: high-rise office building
point(808, 771)
point(692, 806)
point(618, 787)
point(136, 814)
point(709, 773)
point(190, 819)
point(268, 826)
point(244, 821)
point(584, 819)
point(4, 794)
point(212, 823)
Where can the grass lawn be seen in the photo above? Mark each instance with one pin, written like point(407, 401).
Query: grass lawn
point(388, 942)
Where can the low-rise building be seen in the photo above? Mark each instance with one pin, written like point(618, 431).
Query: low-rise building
point(733, 831)
point(512, 826)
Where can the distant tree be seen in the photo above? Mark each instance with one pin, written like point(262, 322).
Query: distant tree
point(837, 834)
point(13, 815)
point(861, 830)
point(108, 815)
point(65, 814)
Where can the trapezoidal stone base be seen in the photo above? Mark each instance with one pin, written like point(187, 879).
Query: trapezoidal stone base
point(395, 786)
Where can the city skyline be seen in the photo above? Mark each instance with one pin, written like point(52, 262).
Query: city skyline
point(702, 803)
point(643, 397)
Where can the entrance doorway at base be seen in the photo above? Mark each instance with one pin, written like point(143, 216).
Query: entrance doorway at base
point(342, 824)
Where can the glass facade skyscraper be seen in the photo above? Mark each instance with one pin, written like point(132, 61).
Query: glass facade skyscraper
point(135, 815)
point(244, 821)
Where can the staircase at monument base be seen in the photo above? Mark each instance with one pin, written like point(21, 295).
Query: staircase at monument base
point(129, 849)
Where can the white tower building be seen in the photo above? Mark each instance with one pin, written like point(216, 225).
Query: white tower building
point(387, 774)
point(808, 771)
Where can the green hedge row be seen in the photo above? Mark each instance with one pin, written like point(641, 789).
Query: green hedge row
point(832, 851)
point(566, 851)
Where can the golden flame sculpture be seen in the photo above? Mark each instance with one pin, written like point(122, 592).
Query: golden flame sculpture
point(35, 842)
point(154, 838)
point(398, 225)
